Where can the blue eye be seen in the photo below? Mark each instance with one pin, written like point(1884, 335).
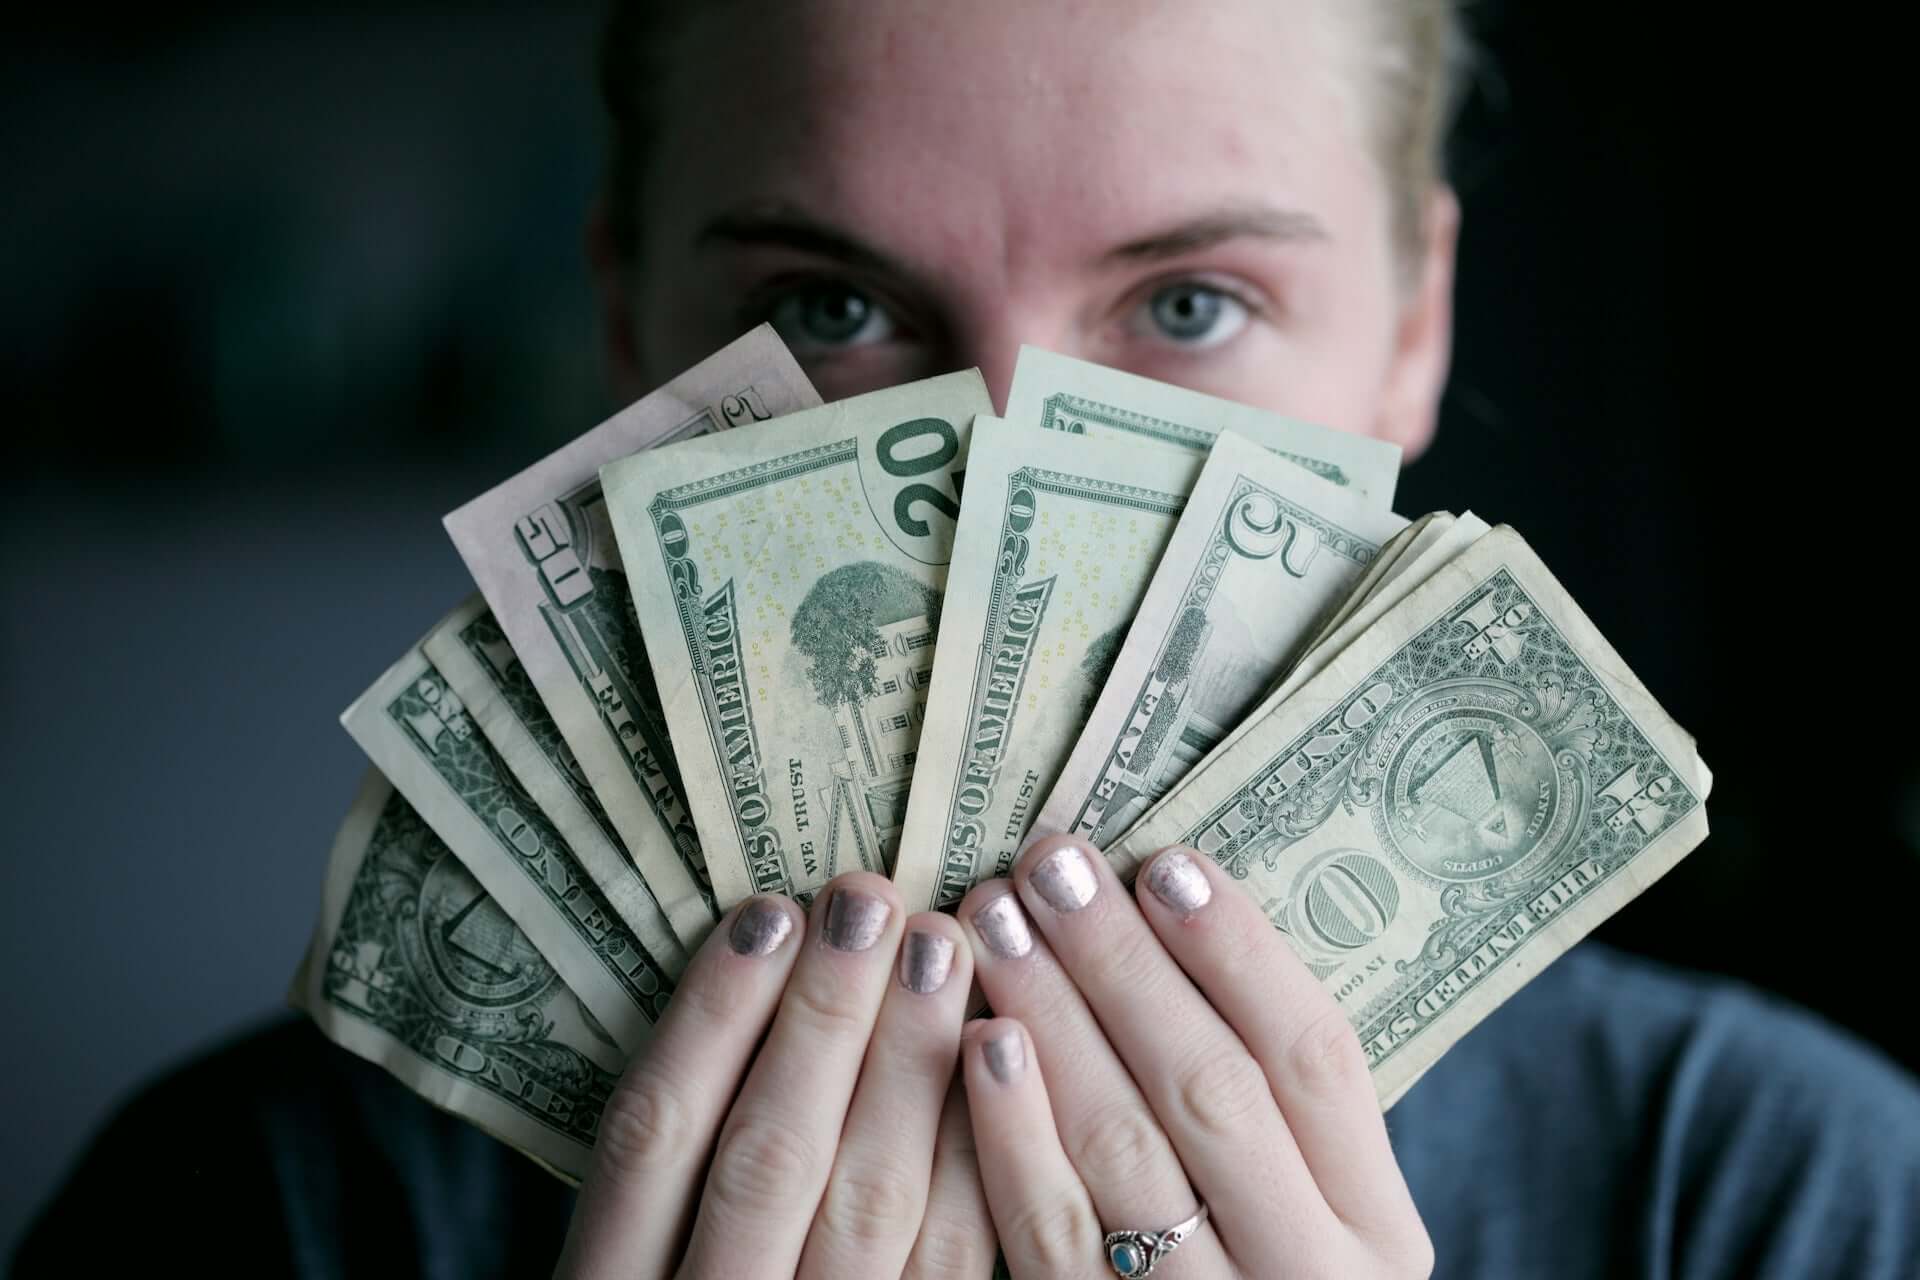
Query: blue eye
point(829, 315)
point(1194, 314)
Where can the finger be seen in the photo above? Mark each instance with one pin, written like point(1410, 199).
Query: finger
point(657, 1128)
point(1042, 1212)
point(1110, 1134)
point(776, 1146)
point(1206, 1089)
point(875, 1197)
point(1310, 1055)
point(957, 1240)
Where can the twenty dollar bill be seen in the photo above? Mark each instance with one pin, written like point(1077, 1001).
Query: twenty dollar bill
point(788, 579)
point(1058, 539)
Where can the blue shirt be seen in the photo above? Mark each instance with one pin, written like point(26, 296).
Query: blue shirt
point(1613, 1119)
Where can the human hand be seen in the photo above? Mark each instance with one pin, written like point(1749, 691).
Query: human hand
point(1152, 1057)
point(835, 1156)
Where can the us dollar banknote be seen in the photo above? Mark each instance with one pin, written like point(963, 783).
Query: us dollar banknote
point(788, 580)
point(471, 653)
point(414, 967)
point(541, 551)
point(1262, 552)
point(1454, 799)
point(1057, 542)
point(1059, 393)
point(416, 730)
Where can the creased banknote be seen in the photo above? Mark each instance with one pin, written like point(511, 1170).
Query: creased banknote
point(1059, 393)
point(417, 732)
point(788, 579)
point(1453, 799)
point(539, 547)
point(415, 968)
point(1263, 552)
point(471, 653)
point(1058, 540)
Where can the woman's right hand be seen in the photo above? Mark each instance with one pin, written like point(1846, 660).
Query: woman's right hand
point(787, 1118)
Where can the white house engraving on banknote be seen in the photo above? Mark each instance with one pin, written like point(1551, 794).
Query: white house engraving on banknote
point(802, 596)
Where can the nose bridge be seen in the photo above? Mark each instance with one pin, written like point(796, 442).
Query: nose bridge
point(991, 336)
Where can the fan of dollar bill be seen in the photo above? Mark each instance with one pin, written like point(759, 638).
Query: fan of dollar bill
point(734, 641)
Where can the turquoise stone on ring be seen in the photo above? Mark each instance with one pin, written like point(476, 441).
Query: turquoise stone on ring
point(1127, 1259)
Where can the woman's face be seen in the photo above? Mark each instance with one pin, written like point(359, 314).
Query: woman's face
point(1183, 190)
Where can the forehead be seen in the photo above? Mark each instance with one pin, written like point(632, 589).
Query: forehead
point(1035, 123)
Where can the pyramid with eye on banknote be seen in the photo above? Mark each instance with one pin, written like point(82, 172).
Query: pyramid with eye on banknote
point(736, 641)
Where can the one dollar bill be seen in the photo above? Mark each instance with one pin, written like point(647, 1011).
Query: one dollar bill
point(788, 579)
point(540, 549)
point(1453, 799)
point(1263, 552)
point(416, 730)
point(471, 653)
point(414, 967)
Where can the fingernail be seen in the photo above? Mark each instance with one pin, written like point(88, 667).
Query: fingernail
point(1065, 879)
point(1006, 1056)
point(1176, 881)
point(1002, 925)
point(855, 920)
point(762, 925)
point(925, 962)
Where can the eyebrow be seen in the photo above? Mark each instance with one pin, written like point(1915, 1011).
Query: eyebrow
point(782, 226)
point(1260, 222)
point(787, 228)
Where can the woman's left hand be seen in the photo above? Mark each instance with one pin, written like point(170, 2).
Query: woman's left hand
point(1156, 1056)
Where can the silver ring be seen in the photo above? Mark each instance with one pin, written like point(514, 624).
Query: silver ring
point(1134, 1254)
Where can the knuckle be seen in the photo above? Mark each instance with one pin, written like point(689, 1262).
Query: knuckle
point(1130, 960)
point(1325, 1059)
point(871, 1204)
point(827, 1011)
point(760, 1165)
point(1119, 1145)
point(1410, 1252)
point(1221, 1093)
point(948, 1248)
point(708, 998)
point(1054, 1236)
point(644, 1124)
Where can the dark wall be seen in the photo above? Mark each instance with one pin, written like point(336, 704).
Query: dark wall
point(276, 291)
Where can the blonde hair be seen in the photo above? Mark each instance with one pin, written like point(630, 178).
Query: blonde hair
point(1416, 54)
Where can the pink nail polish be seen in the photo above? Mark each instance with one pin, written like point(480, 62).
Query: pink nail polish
point(1065, 879)
point(1005, 1055)
point(1002, 926)
point(1177, 881)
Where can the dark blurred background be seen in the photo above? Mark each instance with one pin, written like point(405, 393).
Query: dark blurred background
point(277, 290)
